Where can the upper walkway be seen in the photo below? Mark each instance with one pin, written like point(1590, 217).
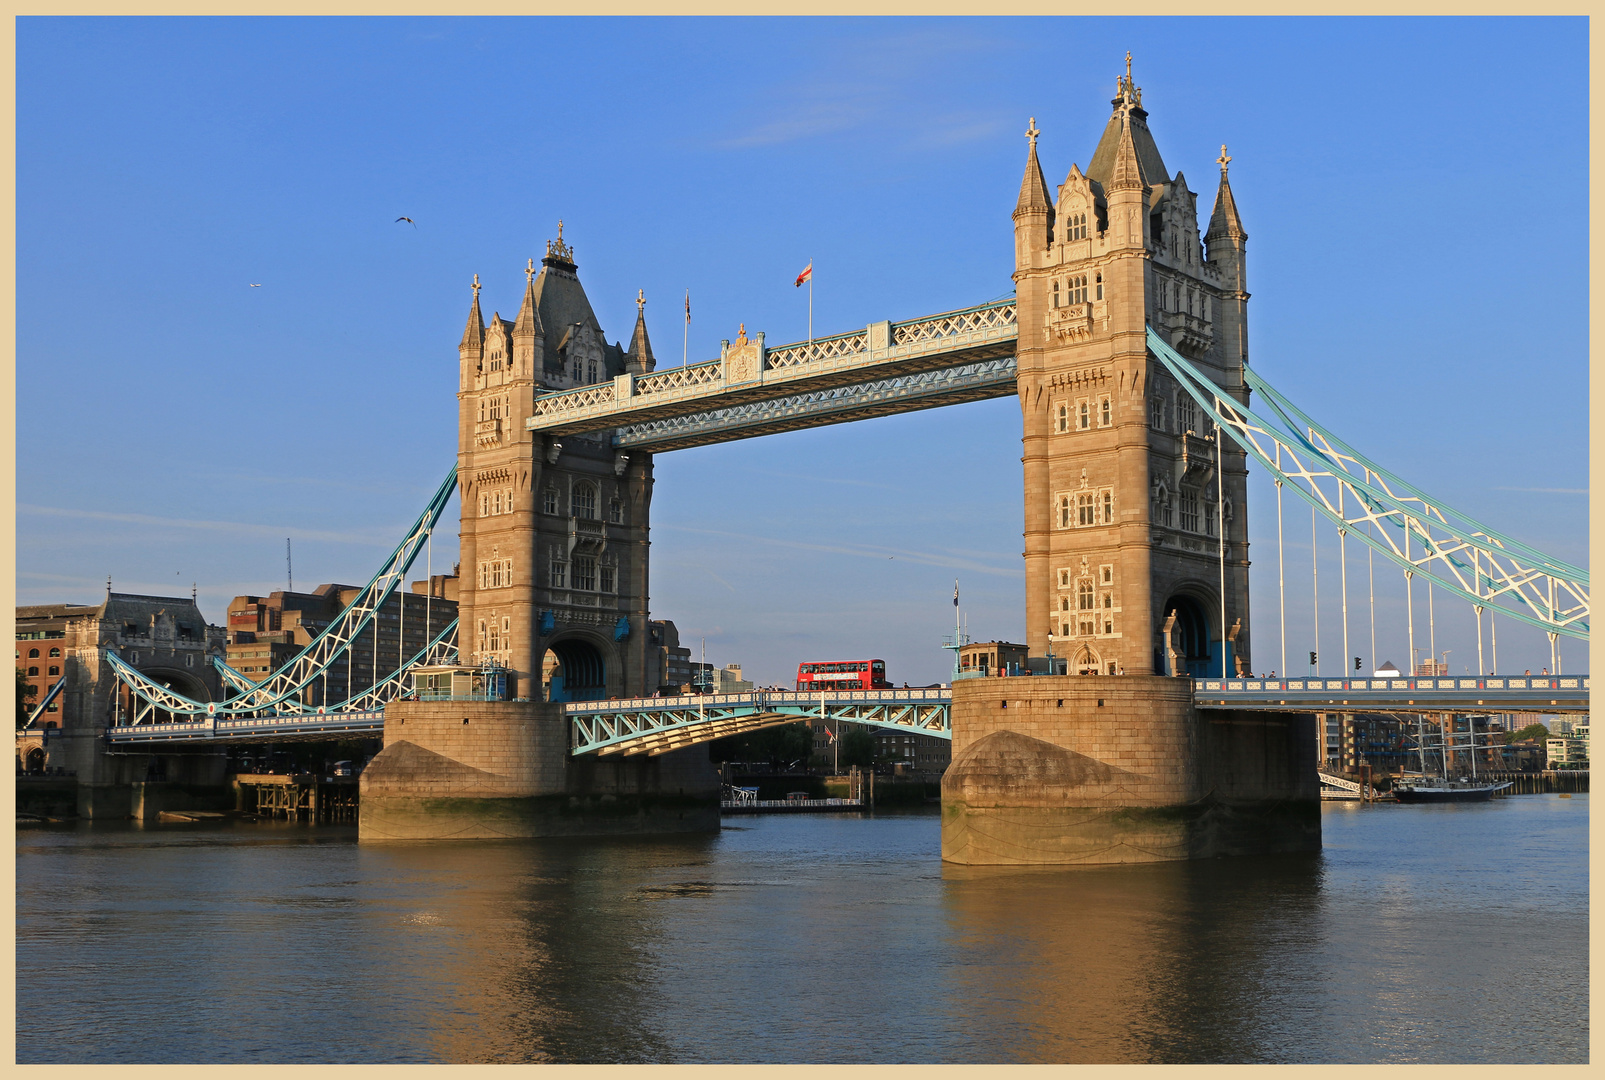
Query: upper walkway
point(752, 390)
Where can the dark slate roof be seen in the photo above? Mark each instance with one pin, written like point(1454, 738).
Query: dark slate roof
point(561, 302)
point(1149, 162)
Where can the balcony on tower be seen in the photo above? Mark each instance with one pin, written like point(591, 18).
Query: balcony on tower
point(488, 432)
point(1187, 333)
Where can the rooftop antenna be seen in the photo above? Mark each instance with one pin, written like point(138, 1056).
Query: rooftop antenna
point(289, 569)
point(108, 586)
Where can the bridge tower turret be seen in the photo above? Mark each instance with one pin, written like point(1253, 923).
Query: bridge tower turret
point(554, 530)
point(1122, 500)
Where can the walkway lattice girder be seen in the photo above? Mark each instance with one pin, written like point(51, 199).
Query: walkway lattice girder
point(818, 408)
point(882, 351)
point(1363, 500)
point(655, 726)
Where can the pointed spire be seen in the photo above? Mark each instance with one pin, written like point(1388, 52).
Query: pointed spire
point(474, 332)
point(1127, 172)
point(640, 360)
point(1224, 222)
point(528, 323)
point(1033, 188)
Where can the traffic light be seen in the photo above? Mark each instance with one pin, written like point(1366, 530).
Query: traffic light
point(1312, 658)
point(1357, 663)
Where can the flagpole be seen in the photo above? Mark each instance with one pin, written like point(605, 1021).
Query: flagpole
point(685, 347)
point(810, 301)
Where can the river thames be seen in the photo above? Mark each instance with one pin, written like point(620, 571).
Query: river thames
point(1419, 934)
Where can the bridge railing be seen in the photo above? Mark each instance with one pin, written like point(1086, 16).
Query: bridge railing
point(1472, 682)
point(911, 338)
point(792, 698)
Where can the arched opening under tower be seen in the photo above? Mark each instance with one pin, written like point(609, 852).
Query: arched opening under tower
point(1196, 654)
point(573, 670)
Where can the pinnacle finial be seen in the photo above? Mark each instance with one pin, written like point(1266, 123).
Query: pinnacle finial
point(557, 249)
point(476, 286)
point(1031, 132)
point(1128, 65)
point(640, 300)
point(1224, 160)
point(529, 271)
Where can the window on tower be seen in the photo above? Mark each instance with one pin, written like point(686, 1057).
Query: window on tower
point(1099, 285)
point(1086, 415)
point(1085, 514)
point(549, 501)
point(1186, 412)
point(1076, 227)
point(1064, 417)
point(615, 511)
point(1108, 508)
point(1084, 596)
point(1055, 294)
point(585, 573)
point(585, 502)
point(1189, 510)
point(1064, 511)
point(1106, 414)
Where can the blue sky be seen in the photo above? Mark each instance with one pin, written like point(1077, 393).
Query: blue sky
point(1415, 193)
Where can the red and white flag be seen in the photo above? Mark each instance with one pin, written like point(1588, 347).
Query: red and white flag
point(807, 274)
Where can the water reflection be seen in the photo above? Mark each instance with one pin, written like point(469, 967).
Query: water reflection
point(1156, 963)
point(542, 950)
point(1416, 935)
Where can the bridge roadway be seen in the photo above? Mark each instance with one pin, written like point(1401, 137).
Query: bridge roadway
point(635, 726)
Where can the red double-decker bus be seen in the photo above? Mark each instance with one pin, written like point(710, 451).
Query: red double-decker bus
point(842, 675)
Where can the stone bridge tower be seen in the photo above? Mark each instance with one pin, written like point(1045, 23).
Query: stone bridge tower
point(554, 531)
point(1123, 503)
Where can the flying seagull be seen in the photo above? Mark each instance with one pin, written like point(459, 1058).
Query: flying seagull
point(408, 220)
point(256, 284)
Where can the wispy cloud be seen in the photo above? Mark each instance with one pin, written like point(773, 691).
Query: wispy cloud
point(872, 83)
point(1547, 491)
point(238, 527)
point(924, 558)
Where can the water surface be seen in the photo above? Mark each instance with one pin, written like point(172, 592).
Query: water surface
point(1419, 934)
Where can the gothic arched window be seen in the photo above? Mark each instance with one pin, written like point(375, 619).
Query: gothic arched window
point(1105, 413)
point(1108, 508)
point(585, 501)
point(1084, 595)
point(1064, 417)
point(1064, 511)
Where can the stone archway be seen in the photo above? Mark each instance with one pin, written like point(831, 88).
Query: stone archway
point(573, 669)
point(1086, 661)
point(35, 762)
point(1191, 636)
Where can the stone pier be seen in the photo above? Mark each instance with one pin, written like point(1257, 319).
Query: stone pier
point(1116, 769)
point(493, 769)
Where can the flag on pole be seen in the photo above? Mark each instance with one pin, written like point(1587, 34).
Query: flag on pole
point(688, 305)
point(807, 274)
point(955, 594)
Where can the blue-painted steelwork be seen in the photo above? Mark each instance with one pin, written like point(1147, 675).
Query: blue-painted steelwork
point(658, 725)
point(281, 691)
point(1457, 553)
point(1467, 694)
point(273, 727)
point(50, 695)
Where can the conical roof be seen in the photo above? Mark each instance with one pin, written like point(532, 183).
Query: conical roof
point(529, 318)
point(1223, 221)
point(640, 352)
point(474, 332)
point(1033, 188)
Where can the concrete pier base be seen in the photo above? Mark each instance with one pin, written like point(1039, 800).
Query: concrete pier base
point(494, 769)
point(1115, 769)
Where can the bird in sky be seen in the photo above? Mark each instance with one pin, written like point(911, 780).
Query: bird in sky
point(408, 220)
point(256, 284)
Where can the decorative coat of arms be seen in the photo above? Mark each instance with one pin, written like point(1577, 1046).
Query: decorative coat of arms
point(743, 358)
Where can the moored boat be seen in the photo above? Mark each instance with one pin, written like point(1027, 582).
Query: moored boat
point(1438, 791)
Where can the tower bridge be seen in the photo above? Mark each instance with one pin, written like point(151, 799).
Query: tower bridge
point(1126, 344)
